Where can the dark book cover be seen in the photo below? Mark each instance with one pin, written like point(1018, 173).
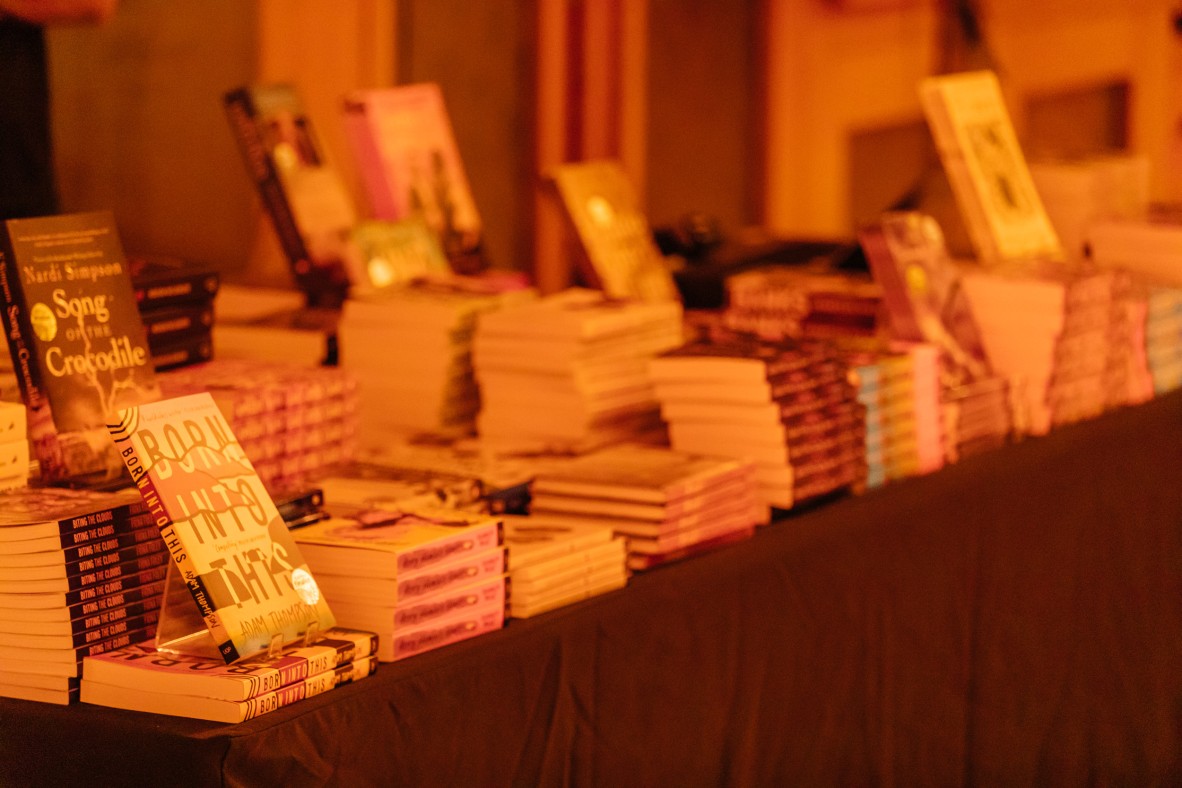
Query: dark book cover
point(302, 195)
point(76, 339)
point(182, 352)
point(173, 325)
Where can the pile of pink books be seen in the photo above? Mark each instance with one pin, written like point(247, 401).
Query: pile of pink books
point(294, 422)
point(787, 407)
point(667, 504)
point(803, 301)
point(81, 572)
point(410, 348)
point(569, 371)
point(556, 561)
point(141, 678)
point(1052, 335)
point(419, 580)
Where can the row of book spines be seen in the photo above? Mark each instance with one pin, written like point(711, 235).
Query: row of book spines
point(84, 558)
point(98, 572)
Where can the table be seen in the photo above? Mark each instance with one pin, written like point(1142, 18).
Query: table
point(1013, 619)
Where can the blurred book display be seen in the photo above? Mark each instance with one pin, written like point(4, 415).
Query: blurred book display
point(556, 561)
point(141, 678)
point(788, 407)
point(775, 302)
point(619, 255)
point(301, 191)
point(1001, 207)
point(410, 349)
point(661, 501)
point(72, 323)
point(175, 300)
point(238, 584)
point(582, 353)
point(81, 572)
point(410, 165)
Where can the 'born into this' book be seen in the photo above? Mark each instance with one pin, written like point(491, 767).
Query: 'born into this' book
point(228, 542)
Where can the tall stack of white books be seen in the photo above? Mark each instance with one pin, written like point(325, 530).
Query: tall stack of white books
point(667, 504)
point(410, 349)
point(420, 580)
point(568, 372)
point(787, 407)
point(556, 561)
point(81, 572)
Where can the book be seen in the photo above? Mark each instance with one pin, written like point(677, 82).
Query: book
point(640, 474)
point(169, 326)
point(990, 180)
point(230, 546)
point(164, 282)
point(618, 253)
point(409, 162)
point(302, 193)
point(51, 518)
point(391, 543)
point(414, 585)
point(183, 352)
point(142, 666)
point(922, 290)
point(436, 634)
point(219, 710)
point(73, 327)
point(393, 616)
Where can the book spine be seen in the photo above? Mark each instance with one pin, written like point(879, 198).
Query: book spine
point(243, 122)
point(197, 287)
point(142, 598)
point(329, 653)
point(167, 327)
point(452, 576)
point(100, 574)
point(469, 541)
point(98, 633)
point(106, 538)
point(432, 637)
point(193, 350)
point(449, 603)
point(106, 522)
point(148, 552)
point(114, 585)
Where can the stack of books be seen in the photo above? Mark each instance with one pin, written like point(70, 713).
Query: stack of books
point(420, 580)
point(866, 375)
point(14, 445)
point(804, 301)
point(568, 372)
point(909, 407)
point(1051, 334)
point(788, 407)
point(667, 504)
point(175, 301)
point(295, 422)
point(977, 417)
point(557, 561)
point(81, 572)
point(410, 348)
point(1163, 338)
point(272, 324)
point(141, 678)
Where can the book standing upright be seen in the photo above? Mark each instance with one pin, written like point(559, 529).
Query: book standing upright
point(230, 547)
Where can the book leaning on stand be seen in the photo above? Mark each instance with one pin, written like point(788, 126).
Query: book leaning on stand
point(141, 678)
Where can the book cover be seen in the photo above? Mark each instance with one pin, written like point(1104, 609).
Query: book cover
point(228, 542)
point(990, 180)
point(302, 193)
point(142, 666)
point(619, 255)
point(75, 335)
point(410, 164)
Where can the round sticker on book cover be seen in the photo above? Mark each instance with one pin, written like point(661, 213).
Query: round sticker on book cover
point(44, 322)
point(305, 586)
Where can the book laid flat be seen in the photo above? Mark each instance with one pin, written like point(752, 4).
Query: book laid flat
point(220, 710)
point(984, 162)
point(410, 164)
point(72, 322)
point(142, 666)
point(230, 547)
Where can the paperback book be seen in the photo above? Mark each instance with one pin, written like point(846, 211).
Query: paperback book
point(75, 333)
point(229, 545)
